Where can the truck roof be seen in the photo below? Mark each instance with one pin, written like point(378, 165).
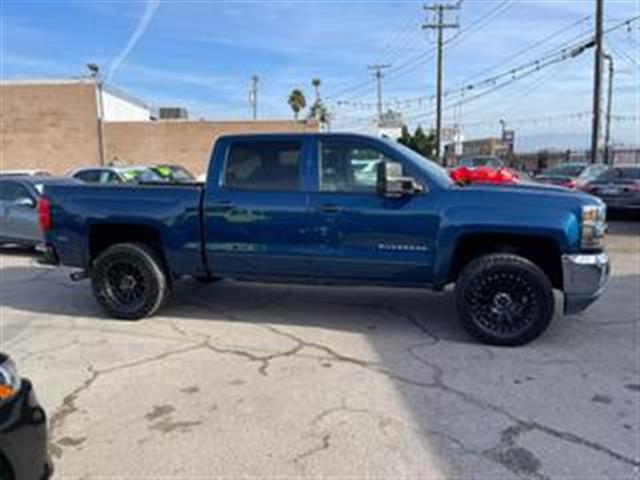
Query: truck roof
point(247, 136)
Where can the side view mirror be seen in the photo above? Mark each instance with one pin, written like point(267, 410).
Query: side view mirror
point(392, 184)
point(24, 202)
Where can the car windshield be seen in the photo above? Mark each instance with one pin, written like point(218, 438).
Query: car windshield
point(591, 172)
point(564, 170)
point(174, 173)
point(478, 162)
point(434, 170)
point(140, 175)
point(619, 173)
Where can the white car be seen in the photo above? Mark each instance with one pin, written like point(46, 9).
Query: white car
point(24, 173)
point(132, 174)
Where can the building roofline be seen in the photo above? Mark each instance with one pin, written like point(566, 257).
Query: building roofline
point(46, 81)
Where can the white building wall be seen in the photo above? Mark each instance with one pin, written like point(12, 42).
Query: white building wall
point(118, 109)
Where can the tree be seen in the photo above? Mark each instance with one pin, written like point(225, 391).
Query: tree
point(419, 142)
point(316, 86)
point(297, 102)
point(320, 112)
point(405, 137)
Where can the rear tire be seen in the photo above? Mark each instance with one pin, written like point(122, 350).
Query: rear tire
point(128, 281)
point(504, 299)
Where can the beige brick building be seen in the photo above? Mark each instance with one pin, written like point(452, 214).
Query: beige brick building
point(53, 125)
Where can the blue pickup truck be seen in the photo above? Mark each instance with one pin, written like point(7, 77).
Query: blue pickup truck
point(318, 208)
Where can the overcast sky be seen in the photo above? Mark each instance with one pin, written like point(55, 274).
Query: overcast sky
point(201, 54)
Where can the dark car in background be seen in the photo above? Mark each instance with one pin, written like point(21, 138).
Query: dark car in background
point(173, 173)
point(618, 187)
point(19, 197)
point(570, 175)
point(23, 428)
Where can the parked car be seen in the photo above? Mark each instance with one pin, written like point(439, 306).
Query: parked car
point(173, 173)
point(18, 214)
point(571, 175)
point(290, 208)
point(618, 187)
point(23, 173)
point(23, 428)
point(134, 174)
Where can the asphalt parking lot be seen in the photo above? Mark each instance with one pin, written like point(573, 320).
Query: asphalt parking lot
point(251, 380)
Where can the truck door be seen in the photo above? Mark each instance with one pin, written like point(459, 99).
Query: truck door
point(361, 235)
point(256, 212)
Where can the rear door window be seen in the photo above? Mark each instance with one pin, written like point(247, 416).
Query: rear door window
point(91, 176)
point(264, 165)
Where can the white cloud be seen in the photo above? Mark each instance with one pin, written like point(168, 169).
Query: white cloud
point(141, 28)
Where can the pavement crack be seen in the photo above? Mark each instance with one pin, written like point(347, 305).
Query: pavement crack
point(324, 445)
point(264, 360)
point(523, 425)
point(341, 358)
point(69, 402)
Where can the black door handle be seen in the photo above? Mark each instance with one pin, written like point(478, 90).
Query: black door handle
point(331, 208)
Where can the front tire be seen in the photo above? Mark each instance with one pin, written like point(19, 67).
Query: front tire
point(128, 281)
point(504, 299)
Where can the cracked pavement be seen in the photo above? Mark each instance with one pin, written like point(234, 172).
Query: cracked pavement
point(234, 379)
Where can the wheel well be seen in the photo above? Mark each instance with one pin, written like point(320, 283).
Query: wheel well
point(102, 236)
point(542, 251)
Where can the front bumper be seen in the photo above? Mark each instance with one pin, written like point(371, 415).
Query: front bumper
point(23, 435)
point(584, 279)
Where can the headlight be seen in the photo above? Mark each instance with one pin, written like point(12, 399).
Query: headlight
point(9, 379)
point(594, 226)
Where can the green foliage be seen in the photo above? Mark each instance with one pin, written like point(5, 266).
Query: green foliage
point(297, 101)
point(419, 142)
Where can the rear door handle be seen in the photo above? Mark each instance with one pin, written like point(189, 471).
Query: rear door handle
point(331, 208)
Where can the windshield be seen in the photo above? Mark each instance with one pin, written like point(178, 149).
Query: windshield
point(174, 173)
point(479, 162)
point(435, 171)
point(623, 173)
point(140, 175)
point(564, 170)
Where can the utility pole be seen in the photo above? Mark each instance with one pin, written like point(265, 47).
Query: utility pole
point(607, 131)
point(94, 73)
point(597, 82)
point(378, 74)
point(253, 96)
point(439, 25)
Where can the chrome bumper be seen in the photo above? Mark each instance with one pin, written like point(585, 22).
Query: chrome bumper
point(584, 278)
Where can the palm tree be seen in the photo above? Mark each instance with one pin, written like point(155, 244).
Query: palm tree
point(316, 86)
point(297, 101)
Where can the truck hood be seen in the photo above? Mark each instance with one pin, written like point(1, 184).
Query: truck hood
point(543, 193)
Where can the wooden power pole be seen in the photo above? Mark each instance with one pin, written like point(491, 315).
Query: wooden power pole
point(439, 25)
point(597, 82)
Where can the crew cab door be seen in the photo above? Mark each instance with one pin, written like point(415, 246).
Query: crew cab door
point(361, 235)
point(256, 215)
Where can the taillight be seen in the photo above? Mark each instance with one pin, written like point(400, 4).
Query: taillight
point(570, 184)
point(44, 214)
